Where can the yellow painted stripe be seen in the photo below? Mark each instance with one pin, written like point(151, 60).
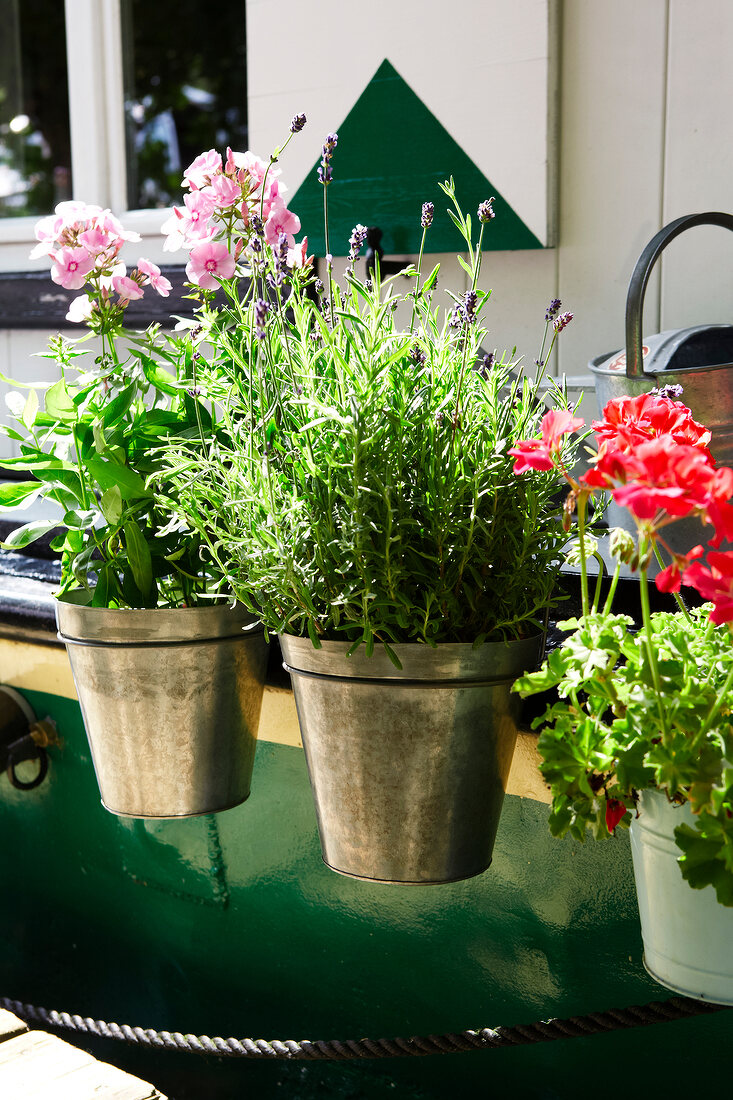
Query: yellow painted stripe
point(36, 668)
point(46, 668)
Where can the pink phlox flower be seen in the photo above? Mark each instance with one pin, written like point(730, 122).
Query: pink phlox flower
point(71, 266)
point(153, 276)
point(46, 231)
point(281, 220)
point(297, 256)
point(80, 309)
point(224, 191)
point(195, 221)
point(101, 244)
point(201, 170)
point(107, 222)
point(127, 289)
point(173, 231)
point(73, 211)
point(256, 168)
point(210, 261)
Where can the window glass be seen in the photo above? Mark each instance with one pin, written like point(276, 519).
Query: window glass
point(35, 146)
point(185, 90)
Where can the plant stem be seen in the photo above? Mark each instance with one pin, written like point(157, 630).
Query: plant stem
point(328, 249)
point(678, 599)
point(651, 652)
point(583, 557)
point(417, 278)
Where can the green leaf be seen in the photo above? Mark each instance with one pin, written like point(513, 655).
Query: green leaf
point(30, 410)
point(15, 493)
point(430, 281)
point(102, 588)
point(162, 379)
point(109, 474)
point(28, 533)
point(119, 406)
point(138, 555)
point(111, 504)
point(59, 403)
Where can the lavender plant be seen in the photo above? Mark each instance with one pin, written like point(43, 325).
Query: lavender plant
point(365, 492)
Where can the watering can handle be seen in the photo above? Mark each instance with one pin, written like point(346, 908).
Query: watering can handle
point(640, 277)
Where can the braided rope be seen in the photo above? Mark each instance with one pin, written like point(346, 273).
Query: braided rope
point(542, 1031)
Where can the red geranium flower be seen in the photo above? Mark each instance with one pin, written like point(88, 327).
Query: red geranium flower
point(533, 454)
point(714, 583)
point(615, 810)
point(628, 421)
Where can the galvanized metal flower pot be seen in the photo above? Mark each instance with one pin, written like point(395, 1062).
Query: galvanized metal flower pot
point(408, 768)
point(687, 934)
point(171, 703)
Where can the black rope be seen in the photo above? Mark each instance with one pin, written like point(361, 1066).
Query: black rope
point(543, 1031)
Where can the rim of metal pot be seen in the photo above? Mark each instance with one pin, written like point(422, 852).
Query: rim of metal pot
point(459, 661)
point(150, 626)
point(640, 278)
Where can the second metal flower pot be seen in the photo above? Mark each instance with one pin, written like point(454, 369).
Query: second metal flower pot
point(408, 768)
point(171, 703)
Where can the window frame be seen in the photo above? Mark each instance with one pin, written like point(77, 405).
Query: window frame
point(97, 127)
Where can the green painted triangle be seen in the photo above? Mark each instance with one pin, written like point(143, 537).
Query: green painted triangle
point(391, 153)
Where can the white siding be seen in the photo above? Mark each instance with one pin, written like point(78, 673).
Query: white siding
point(644, 134)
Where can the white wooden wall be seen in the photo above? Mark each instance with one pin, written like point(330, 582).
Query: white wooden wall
point(643, 135)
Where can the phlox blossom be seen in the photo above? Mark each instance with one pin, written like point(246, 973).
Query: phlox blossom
point(297, 256)
point(127, 288)
point(202, 169)
point(223, 191)
point(153, 276)
point(71, 267)
point(80, 309)
point(195, 220)
point(107, 222)
point(281, 220)
point(208, 262)
point(172, 228)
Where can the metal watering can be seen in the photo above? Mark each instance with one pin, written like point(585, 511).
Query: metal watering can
point(700, 359)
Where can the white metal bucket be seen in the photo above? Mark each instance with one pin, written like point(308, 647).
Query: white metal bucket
point(688, 935)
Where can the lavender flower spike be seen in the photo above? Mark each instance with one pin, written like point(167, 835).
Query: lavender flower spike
point(486, 211)
point(551, 311)
point(261, 311)
point(470, 302)
point(560, 322)
point(428, 209)
point(297, 124)
point(356, 240)
point(325, 172)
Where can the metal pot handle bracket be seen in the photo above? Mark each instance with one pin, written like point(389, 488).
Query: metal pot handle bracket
point(640, 278)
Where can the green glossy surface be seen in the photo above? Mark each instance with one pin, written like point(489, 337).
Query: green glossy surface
point(232, 925)
point(392, 153)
